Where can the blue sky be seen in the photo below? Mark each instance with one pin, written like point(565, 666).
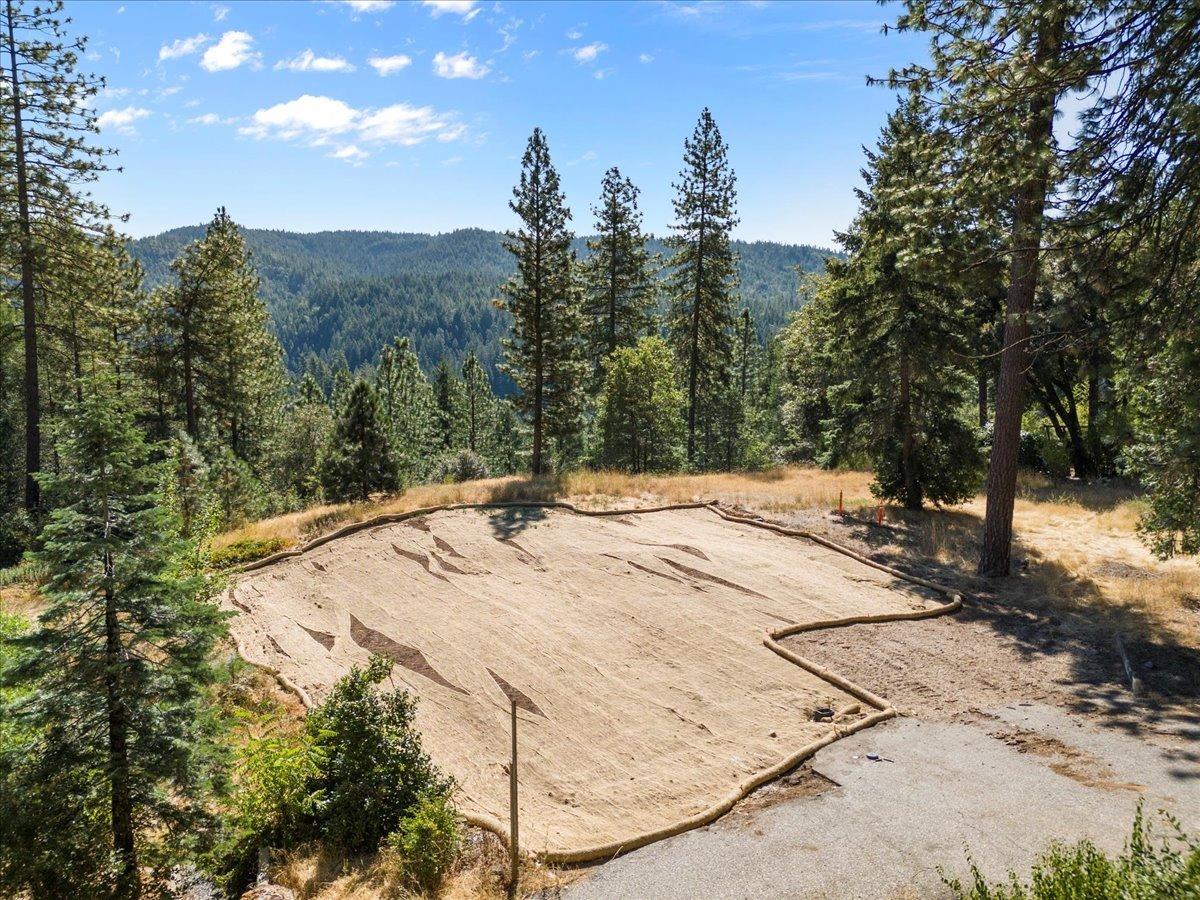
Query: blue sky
point(412, 116)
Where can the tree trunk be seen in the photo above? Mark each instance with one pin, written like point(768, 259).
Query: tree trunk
point(913, 495)
point(33, 408)
point(694, 362)
point(1028, 222)
point(538, 363)
point(121, 806)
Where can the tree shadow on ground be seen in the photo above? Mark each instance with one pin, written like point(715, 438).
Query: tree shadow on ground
point(1045, 609)
point(510, 521)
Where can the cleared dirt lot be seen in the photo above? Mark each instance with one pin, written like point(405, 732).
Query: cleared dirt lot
point(632, 644)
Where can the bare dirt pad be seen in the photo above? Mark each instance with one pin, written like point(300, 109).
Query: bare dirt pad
point(632, 644)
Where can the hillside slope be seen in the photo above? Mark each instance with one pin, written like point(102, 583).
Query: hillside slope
point(339, 294)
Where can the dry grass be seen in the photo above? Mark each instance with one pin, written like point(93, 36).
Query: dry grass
point(778, 490)
point(480, 874)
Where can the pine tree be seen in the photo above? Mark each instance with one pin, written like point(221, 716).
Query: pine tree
point(905, 389)
point(477, 404)
point(703, 279)
point(640, 421)
point(47, 104)
point(543, 356)
point(618, 273)
point(112, 767)
point(358, 458)
point(507, 449)
point(447, 402)
point(230, 365)
point(408, 410)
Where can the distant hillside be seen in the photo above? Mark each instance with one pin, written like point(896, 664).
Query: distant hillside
point(347, 293)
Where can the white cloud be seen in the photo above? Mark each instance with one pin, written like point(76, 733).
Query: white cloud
point(121, 119)
point(452, 160)
point(183, 47)
point(588, 52)
point(321, 121)
point(370, 6)
point(350, 153)
point(468, 9)
point(120, 10)
point(313, 117)
point(645, 58)
point(112, 93)
point(219, 12)
point(460, 65)
point(574, 34)
point(307, 61)
point(389, 65)
point(530, 54)
point(232, 50)
point(211, 119)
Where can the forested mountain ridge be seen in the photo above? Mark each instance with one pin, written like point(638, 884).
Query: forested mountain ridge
point(347, 293)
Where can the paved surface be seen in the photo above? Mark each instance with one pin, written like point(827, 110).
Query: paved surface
point(1002, 786)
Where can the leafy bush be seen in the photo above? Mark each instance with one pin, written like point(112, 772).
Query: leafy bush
point(1144, 871)
point(371, 769)
point(427, 842)
point(461, 465)
point(244, 551)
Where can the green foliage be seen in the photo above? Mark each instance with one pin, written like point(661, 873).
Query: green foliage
point(358, 458)
point(477, 406)
point(345, 294)
point(1143, 871)
point(448, 401)
point(427, 842)
point(544, 357)
point(619, 273)
point(408, 409)
point(640, 420)
point(235, 492)
point(372, 770)
point(702, 284)
point(295, 457)
point(461, 465)
point(244, 551)
point(113, 764)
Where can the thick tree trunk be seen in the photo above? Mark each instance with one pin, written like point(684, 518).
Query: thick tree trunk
point(694, 362)
point(1028, 222)
point(33, 408)
point(121, 805)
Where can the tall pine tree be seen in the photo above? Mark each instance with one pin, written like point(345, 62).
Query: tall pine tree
point(112, 767)
point(703, 280)
point(619, 273)
point(408, 410)
point(358, 458)
point(544, 356)
point(477, 403)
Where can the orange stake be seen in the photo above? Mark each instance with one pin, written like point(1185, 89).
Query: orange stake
point(841, 512)
point(879, 515)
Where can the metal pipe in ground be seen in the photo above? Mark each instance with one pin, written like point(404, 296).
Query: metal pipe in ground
point(514, 853)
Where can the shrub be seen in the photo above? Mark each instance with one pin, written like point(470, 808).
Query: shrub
point(427, 842)
point(461, 465)
point(1143, 871)
point(16, 536)
point(244, 551)
point(371, 767)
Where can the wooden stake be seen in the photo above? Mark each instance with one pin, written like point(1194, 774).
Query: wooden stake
point(513, 847)
point(879, 515)
point(841, 511)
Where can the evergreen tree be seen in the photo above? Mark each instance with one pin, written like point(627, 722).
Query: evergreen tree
point(477, 404)
point(702, 282)
point(641, 409)
point(230, 365)
point(904, 389)
point(358, 458)
point(447, 402)
point(47, 104)
point(507, 449)
point(408, 410)
point(111, 771)
point(618, 273)
point(543, 356)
